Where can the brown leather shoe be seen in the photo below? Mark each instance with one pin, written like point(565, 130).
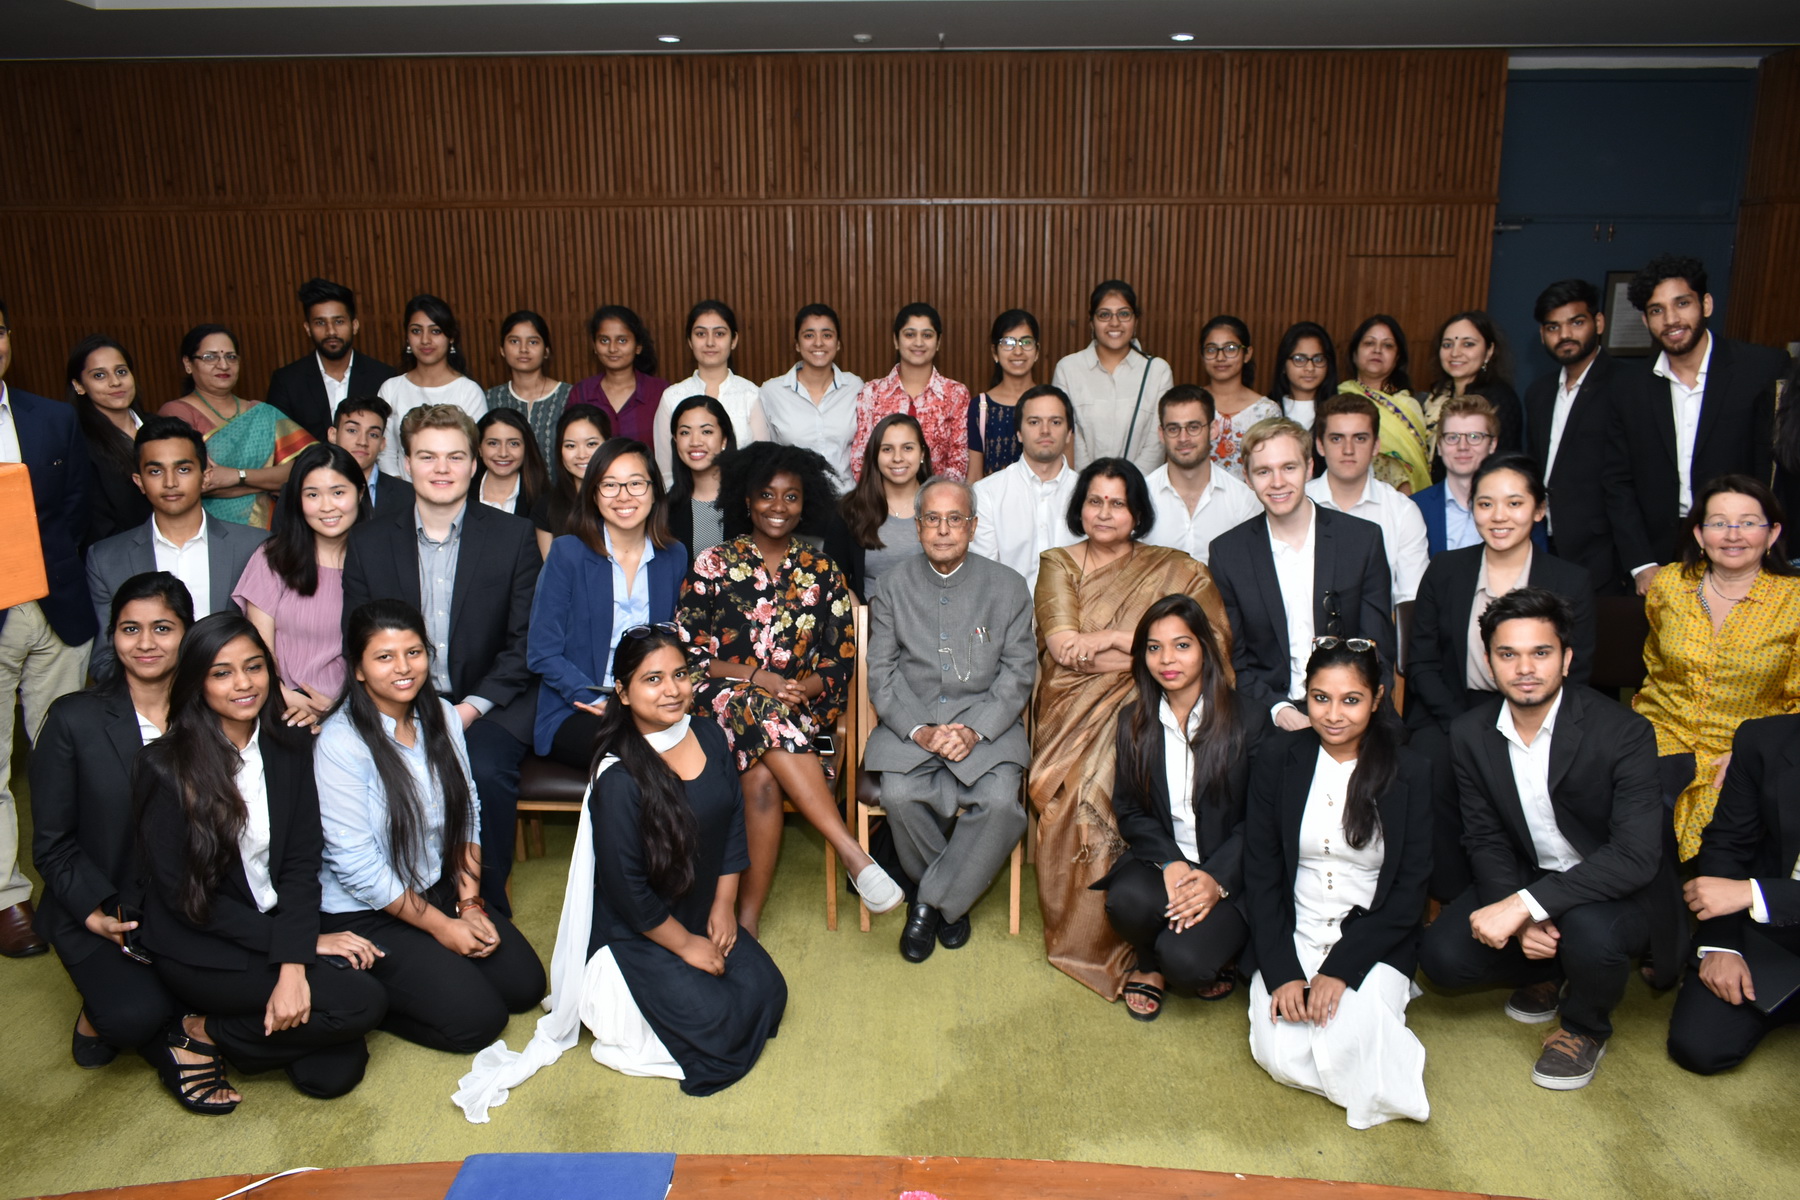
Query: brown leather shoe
point(17, 938)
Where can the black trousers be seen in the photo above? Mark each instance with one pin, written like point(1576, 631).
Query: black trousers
point(324, 1057)
point(1594, 955)
point(1451, 875)
point(125, 1002)
point(1708, 1035)
point(573, 743)
point(1189, 960)
point(435, 996)
point(495, 757)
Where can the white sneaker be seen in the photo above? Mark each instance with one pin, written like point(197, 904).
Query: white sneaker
point(878, 889)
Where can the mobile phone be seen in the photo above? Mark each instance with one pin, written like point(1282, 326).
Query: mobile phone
point(824, 743)
point(133, 946)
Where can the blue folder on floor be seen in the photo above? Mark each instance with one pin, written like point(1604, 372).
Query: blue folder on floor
point(563, 1177)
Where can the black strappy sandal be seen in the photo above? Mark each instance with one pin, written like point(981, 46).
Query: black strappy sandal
point(193, 1084)
point(1149, 991)
point(1227, 978)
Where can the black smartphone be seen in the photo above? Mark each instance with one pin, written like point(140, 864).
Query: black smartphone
point(824, 743)
point(133, 945)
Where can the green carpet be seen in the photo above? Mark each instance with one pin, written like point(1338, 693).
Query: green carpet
point(986, 1051)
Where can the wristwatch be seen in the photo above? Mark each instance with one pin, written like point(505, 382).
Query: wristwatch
point(463, 906)
point(242, 477)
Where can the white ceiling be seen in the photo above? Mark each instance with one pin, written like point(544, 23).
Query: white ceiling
point(86, 29)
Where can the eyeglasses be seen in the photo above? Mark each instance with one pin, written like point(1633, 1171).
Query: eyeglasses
point(1216, 350)
point(1113, 314)
point(944, 520)
point(1356, 645)
point(1746, 526)
point(1192, 428)
point(1466, 439)
point(639, 632)
point(1301, 360)
point(1013, 343)
point(213, 356)
point(631, 487)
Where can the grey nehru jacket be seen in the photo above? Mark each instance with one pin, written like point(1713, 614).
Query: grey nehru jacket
point(928, 631)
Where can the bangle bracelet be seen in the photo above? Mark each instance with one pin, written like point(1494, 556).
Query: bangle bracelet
point(463, 906)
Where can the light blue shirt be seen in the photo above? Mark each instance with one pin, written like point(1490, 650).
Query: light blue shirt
point(358, 873)
point(1459, 524)
point(631, 606)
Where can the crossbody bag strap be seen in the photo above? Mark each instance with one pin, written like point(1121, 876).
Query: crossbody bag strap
point(1125, 451)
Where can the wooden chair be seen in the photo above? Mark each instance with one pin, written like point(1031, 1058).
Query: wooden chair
point(867, 791)
point(1403, 619)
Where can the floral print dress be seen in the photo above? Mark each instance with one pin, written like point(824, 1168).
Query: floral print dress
point(796, 622)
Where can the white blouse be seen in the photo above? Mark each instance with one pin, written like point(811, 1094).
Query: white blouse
point(1178, 773)
point(1333, 877)
point(741, 400)
point(253, 842)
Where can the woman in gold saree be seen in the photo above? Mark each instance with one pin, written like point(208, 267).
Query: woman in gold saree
point(1089, 599)
point(1378, 368)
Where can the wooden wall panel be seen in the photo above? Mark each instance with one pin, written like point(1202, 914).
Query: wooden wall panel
point(145, 197)
point(1765, 286)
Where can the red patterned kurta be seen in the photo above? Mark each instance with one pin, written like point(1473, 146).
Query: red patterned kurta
point(942, 412)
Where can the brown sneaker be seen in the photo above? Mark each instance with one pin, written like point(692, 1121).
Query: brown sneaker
point(1535, 1003)
point(1568, 1062)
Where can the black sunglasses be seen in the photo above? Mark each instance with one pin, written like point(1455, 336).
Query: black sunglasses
point(640, 632)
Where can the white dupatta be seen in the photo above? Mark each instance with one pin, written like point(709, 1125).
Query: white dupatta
point(582, 991)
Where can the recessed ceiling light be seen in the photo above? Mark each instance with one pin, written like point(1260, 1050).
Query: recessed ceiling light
point(1181, 37)
point(668, 39)
point(862, 39)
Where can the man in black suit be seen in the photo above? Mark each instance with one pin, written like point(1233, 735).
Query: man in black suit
point(1705, 408)
point(360, 427)
point(1297, 571)
point(310, 389)
point(1566, 420)
point(44, 642)
point(204, 552)
point(1563, 822)
point(471, 571)
point(1748, 883)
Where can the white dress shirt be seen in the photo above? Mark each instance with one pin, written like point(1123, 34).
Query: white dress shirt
point(741, 400)
point(253, 841)
point(1106, 400)
point(1019, 516)
point(9, 430)
point(1686, 402)
point(336, 390)
point(827, 427)
point(1225, 503)
point(190, 563)
point(1178, 773)
point(1566, 391)
point(1294, 572)
point(1531, 776)
point(1402, 529)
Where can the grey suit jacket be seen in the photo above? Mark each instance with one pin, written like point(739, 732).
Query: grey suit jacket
point(981, 615)
point(111, 562)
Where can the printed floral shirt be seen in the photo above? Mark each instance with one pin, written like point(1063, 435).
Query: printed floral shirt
point(942, 411)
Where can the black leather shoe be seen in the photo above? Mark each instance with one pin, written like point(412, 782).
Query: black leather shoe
point(954, 935)
point(89, 1053)
point(919, 938)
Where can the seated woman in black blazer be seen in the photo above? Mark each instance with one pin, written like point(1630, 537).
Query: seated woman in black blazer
point(229, 827)
point(1447, 673)
point(1337, 851)
point(1175, 894)
point(82, 834)
point(403, 844)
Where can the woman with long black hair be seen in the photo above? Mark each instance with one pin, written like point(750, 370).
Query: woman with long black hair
point(437, 373)
point(402, 844)
point(1337, 853)
point(229, 827)
point(994, 438)
point(510, 474)
point(103, 391)
point(1183, 769)
point(701, 431)
point(1305, 372)
point(81, 830)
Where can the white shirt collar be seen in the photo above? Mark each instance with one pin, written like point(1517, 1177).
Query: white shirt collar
point(1167, 715)
point(1663, 369)
point(158, 537)
point(1023, 469)
point(349, 362)
point(792, 379)
point(1312, 527)
point(1504, 722)
point(1328, 498)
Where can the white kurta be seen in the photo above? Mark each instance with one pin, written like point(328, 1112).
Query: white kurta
point(1365, 1060)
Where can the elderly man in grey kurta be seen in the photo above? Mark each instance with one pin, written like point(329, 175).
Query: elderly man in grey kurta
point(951, 662)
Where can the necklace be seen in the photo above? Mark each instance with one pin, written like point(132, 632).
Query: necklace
point(1720, 592)
point(237, 407)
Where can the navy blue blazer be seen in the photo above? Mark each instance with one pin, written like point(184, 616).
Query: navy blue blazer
point(571, 640)
point(1437, 523)
point(55, 454)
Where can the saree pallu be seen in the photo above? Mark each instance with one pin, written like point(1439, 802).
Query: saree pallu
point(1404, 461)
point(1074, 717)
point(260, 436)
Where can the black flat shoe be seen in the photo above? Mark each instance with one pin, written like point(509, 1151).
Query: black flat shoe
point(919, 937)
point(954, 935)
point(194, 1084)
point(90, 1053)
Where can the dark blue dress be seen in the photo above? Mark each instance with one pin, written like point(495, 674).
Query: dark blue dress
point(999, 445)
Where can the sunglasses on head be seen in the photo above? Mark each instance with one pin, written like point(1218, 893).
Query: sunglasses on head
point(1356, 645)
point(639, 632)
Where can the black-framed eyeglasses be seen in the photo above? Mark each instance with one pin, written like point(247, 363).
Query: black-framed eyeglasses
point(1016, 343)
point(1356, 645)
point(635, 486)
point(1301, 360)
point(1225, 350)
point(1191, 428)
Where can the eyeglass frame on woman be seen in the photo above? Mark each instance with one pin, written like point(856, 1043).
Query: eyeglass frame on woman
point(1750, 527)
point(228, 357)
point(1302, 360)
point(1222, 349)
point(1016, 343)
point(637, 485)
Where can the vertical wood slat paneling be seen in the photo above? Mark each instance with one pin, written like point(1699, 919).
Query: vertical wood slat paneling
point(1765, 284)
point(1274, 186)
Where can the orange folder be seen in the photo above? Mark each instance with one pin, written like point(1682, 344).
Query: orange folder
point(22, 575)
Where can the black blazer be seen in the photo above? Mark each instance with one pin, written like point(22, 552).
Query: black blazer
point(236, 935)
point(1608, 803)
point(1350, 574)
point(298, 390)
point(81, 819)
point(56, 457)
point(393, 494)
point(1584, 533)
point(1388, 931)
point(115, 503)
point(1755, 830)
point(497, 567)
point(1737, 418)
point(1146, 818)
point(1437, 689)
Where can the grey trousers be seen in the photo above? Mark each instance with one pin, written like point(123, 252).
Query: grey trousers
point(954, 857)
